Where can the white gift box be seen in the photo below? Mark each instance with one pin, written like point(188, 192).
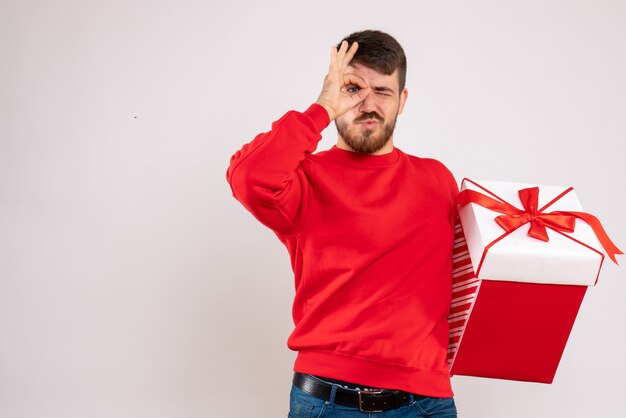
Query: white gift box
point(504, 329)
point(572, 258)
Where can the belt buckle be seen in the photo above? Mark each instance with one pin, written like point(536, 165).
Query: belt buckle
point(368, 392)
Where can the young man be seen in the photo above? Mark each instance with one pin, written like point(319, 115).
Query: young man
point(369, 230)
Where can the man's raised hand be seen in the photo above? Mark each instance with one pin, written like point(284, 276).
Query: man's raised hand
point(342, 90)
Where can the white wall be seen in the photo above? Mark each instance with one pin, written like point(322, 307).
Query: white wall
point(133, 285)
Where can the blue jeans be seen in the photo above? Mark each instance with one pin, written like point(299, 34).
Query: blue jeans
point(303, 405)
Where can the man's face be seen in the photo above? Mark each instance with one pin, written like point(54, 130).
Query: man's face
point(368, 127)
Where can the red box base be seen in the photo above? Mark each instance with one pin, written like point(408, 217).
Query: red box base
point(518, 331)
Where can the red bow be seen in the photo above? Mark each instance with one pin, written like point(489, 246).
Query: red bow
point(512, 217)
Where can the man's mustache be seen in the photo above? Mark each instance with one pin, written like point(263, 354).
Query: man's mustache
point(367, 116)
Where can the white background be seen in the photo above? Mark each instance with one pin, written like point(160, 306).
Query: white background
point(133, 285)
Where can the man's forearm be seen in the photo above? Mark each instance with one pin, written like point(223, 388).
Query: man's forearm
point(263, 175)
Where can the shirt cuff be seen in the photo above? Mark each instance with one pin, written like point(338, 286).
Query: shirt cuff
point(318, 115)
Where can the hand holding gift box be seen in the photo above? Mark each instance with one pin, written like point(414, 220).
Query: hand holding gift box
point(533, 252)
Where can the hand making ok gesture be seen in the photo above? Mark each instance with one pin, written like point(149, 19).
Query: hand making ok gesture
point(342, 90)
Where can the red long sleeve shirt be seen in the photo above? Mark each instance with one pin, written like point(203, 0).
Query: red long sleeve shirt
point(370, 239)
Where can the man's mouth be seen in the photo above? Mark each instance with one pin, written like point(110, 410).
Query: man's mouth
point(368, 123)
point(368, 120)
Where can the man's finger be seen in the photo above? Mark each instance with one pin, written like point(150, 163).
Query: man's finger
point(355, 80)
point(343, 47)
point(341, 54)
point(350, 53)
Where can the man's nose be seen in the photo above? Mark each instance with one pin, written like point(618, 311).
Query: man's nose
point(368, 104)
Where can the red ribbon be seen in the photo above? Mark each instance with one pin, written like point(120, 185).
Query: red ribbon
point(560, 221)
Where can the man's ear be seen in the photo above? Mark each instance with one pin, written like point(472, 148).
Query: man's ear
point(403, 97)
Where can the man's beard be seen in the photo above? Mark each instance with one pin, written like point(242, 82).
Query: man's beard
point(366, 142)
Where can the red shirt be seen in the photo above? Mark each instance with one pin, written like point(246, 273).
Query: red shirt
point(370, 239)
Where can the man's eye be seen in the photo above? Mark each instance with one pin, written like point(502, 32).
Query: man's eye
point(353, 89)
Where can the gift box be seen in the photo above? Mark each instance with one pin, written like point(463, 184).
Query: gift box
point(523, 258)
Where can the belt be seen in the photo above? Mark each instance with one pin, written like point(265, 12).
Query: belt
point(364, 400)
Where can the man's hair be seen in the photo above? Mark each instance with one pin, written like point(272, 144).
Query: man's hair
point(379, 51)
